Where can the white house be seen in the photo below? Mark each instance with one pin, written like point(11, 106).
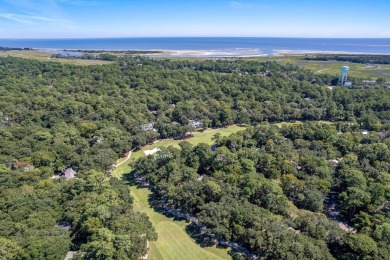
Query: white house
point(148, 127)
point(196, 124)
point(69, 173)
point(151, 152)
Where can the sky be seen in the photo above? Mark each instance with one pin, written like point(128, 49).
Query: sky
point(197, 18)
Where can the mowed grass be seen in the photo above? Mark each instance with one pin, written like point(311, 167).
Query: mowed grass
point(173, 242)
point(355, 69)
point(320, 67)
point(358, 70)
point(45, 56)
point(199, 137)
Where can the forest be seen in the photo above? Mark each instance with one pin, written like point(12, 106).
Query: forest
point(101, 54)
point(370, 59)
point(13, 49)
point(57, 116)
point(267, 186)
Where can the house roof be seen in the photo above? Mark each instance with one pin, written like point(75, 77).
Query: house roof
point(147, 127)
point(69, 173)
point(195, 123)
point(151, 152)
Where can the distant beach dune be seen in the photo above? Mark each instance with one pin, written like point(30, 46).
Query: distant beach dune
point(213, 46)
point(212, 53)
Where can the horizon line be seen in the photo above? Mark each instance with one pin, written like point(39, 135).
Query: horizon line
point(127, 37)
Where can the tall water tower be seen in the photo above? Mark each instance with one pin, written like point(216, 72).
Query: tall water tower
point(343, 75)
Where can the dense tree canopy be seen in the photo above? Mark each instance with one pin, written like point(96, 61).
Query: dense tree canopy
point(376, 59)
point(55, 116)
point(266, 187)
point(42, 218)
point(88, 115)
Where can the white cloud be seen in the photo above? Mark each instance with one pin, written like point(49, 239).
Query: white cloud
point(29, 19)
point(82, 2)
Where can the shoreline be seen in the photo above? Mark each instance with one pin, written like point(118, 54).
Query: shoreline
point(212, 46)
point(226, 53)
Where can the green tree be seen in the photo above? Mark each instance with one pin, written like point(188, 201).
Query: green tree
point(9, 250)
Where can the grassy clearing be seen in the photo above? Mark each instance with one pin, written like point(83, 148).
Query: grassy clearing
point(320, 67)
point(44, 56)
point(173, 241)
point(358, 70)
point(355, 69)
point(199, 137)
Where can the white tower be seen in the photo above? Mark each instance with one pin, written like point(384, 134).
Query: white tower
point(343, 75)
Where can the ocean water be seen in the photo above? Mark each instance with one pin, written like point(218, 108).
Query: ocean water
point(206, 46)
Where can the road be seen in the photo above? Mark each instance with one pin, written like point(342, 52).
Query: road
point(127, 158)
point(333, 213)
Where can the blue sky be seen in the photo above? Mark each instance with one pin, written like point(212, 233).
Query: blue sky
point(158, 18)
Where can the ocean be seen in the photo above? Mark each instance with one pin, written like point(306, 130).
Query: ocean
point(206, 46)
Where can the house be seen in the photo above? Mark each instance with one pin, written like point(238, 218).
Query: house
point(64, 225)
point(5, 121)
point(195, 124)
point(151, 152)
point(70, 255)
point(69, 173)
point(368, 82)
point(95, 139)
point(24, 166)
point(348, 84)
point(383, 134)
point(201, 177)
point(148, 127)
point(333, 163)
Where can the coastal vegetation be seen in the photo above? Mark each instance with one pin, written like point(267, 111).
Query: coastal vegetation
point(373, 59)
point(4, 49)
point(267, 186)
point(369, 70)
point(262, 187)
point(46, 56)
point(362, 67)
point(204, 136)
point(173, 240)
